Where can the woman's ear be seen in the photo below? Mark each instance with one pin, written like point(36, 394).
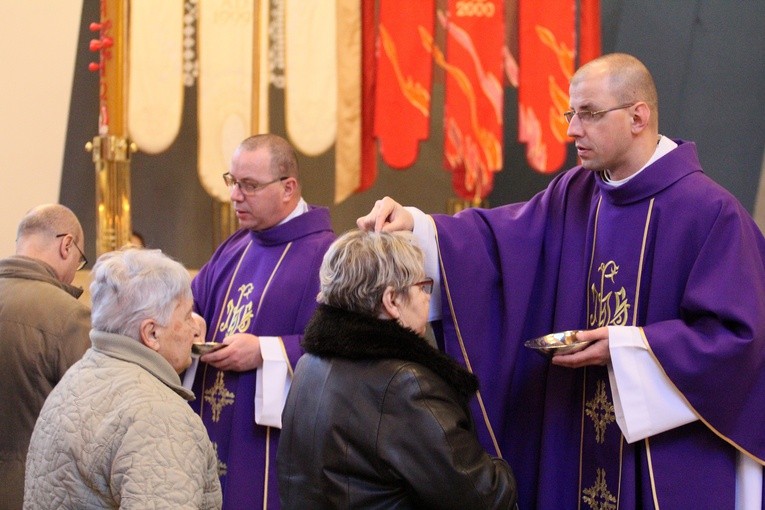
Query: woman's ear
point(148, 334)
point(390, 303)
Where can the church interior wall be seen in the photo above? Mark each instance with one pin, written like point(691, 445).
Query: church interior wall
point(706, 57)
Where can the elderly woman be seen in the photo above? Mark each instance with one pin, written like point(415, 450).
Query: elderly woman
point(376, 417)
point(116, 432)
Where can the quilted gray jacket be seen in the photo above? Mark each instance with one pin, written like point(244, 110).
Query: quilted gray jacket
point(116, 432)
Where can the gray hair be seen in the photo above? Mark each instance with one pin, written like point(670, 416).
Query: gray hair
point(359, 266)
point(132, 285)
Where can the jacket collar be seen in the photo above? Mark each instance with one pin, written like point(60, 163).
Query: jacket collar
point(28, 268)
point(133, 351)
point(333, 332)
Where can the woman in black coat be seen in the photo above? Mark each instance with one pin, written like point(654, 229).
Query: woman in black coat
point(376, 417)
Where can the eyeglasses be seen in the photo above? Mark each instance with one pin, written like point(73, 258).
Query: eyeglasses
point(587, 116)
point(247, 188)
point(83, 258)
point(426, 285)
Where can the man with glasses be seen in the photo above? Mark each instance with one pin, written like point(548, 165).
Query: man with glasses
point(663, 273)
point(43, 330)
point(256, 294)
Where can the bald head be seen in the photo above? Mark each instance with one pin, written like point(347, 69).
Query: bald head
point(52, 233)
point(628, 79)
point(48, 219)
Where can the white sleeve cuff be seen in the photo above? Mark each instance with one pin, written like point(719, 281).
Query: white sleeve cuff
point(645, 401)
point(424, 232)
point(748, 483)
point(272, 382)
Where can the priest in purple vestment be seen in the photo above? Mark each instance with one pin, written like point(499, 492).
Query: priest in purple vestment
point(661, 268)
point(256, 294)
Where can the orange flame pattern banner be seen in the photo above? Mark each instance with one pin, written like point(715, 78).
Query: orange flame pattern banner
point(473, 105)
point(546, 47)
point(404, 76)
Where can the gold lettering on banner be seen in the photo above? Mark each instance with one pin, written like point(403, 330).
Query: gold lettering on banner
point(598, 497)
point(601, 411)
point(609, 307)
point(222, 467)
point(475, 9)
point(218, 397)
point(238, 316)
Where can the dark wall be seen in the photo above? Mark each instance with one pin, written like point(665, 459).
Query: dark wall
point(708, 60)
point(706, 57)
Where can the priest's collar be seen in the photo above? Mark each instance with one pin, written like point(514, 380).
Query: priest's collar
point(300, 208)
point(301, 224)
point(664, 146)
point(661, 172)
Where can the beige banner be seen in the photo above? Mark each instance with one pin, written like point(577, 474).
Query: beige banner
point(311, 74)
point(155, 83)
point(348, 145)
point(224, 87)
point(260, 123)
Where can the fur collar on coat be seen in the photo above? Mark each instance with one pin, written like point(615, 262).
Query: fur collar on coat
point(333, 332)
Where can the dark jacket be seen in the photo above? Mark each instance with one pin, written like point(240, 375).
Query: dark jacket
point(377, 418)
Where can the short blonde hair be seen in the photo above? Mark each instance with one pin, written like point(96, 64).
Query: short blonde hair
point(359, 266)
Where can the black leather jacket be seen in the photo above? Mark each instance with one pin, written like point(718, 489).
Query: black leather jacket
point(377, 418)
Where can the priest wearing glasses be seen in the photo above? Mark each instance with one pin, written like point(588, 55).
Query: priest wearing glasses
point(256, 294)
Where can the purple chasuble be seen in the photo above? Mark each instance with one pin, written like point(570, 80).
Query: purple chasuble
point(669, 251)
point(264, 283)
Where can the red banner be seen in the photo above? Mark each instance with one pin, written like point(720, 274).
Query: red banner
point(589, 31)
point(475, 32)
point(404, 76)
point(546, 47)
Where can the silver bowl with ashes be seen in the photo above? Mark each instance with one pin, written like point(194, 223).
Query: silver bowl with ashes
point(564, 342)
point(204, 348)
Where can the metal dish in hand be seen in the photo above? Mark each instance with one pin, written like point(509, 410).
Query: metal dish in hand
point(206, 347)
point(564, 342)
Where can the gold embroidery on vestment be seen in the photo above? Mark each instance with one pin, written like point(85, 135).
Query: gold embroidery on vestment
point(600, 410)
point(222, 467)
point(218, 397)
point(598, 497)
point(610, 307)
point(238, 316)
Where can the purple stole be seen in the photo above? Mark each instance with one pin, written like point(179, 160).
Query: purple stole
point(613, 295)
point(263, 283)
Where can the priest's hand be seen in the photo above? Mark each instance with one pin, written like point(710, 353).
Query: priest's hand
point(242, 352)
point(387, 216)
point(596, 353)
